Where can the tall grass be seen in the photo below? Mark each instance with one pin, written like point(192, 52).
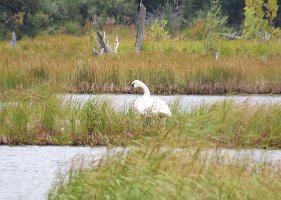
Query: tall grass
point(149, 173)
point(168, 66)
point(235, 124)
point(43, 118)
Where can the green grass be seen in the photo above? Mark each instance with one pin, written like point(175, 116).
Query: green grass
point(151, 173)
point(39, 117)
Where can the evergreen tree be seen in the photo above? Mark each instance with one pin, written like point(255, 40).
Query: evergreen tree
point(271, 12)
point(234, 10)
point(190, 9)
point(259, 17)
point(17, 15)
point(215, 25)
point(252, 21)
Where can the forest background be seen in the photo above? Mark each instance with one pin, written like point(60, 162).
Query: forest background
point(30, 17)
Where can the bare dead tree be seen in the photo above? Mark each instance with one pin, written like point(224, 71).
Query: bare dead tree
point(141, 25)
point(104, 45)
point(13, 40)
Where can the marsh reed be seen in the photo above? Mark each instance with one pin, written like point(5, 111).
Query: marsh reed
point(151, 173)
point(171, 66)
point(40, 117)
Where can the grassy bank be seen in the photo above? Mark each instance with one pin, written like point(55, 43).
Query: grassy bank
point(66, 63)
point(150, 173)
point(41, 118)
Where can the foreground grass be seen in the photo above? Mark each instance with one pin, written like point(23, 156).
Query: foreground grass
point(168, 66)
point(42, 118)
point(149, 173)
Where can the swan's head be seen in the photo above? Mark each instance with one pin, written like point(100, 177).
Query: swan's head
point(135, 84)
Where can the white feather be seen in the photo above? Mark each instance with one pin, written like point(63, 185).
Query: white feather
point(146, 105)
point(149, 105)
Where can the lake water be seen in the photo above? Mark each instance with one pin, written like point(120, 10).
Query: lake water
point(28, 172)
point(185, 102)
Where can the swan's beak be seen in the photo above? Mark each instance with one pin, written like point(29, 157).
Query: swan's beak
point(130, 89)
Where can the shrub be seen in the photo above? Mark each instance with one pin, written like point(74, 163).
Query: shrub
point(259, 18)
point(197, 31)
point(157, 30)
point(72, 28)
point(215, 25)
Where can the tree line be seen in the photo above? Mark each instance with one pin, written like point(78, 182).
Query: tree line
point(29, 17)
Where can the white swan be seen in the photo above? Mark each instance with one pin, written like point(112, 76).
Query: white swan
point(147, 104)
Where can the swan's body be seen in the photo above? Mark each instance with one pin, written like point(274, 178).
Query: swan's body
point(151, 105)
point(147, 104)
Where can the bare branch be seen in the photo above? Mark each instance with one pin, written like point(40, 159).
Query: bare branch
point(104, 45)
point(116, 44)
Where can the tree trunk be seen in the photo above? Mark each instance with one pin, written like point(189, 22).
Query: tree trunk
point(13, 40)
point(141, 25)
point(99, 37)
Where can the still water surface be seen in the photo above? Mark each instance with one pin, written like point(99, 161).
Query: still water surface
point(185, 102)
point(28, 172)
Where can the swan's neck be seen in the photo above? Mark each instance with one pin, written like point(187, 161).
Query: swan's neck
point(145, 90)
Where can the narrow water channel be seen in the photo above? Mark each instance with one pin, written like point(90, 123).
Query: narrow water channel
point(185, 102)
